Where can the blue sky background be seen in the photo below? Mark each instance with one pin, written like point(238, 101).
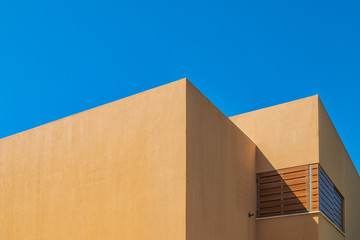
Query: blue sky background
point(58, 58)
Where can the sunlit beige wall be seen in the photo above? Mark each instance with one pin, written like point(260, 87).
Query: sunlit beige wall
point(221, 187)
point(286, 135)
point(167, 164)
point(337, 164)
point(113, 172)
point(298, 133)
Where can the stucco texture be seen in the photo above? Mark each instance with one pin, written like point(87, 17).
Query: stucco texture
point(299, 227)
point(163, 164)
point(167, 164)
point(220, 163)
point(299, 133)
point(113, 172)
point(286, 135)
point(337, 163)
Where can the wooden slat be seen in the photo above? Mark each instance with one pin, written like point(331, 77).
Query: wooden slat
point(288, 211)
point(287, 195)
point(297, 194)
point(279, 213)
point(288, 183)
point(269, 204)
point(315, 185)
point(315, 197)
point(288, 201)
point(315, 178)
point(281, 171)
point(299, 180)
point(315, 205)
point(270, 185)
point(286, 191)
point(316, 208)
point(285, 209)
point(283, 189)
point(288, 176)
point(296, 207)
point(270, 210)
point(287, 170)
point(315, 169)
point(294, 211)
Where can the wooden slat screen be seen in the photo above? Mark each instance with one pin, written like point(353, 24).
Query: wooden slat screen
point(287, 191)
point(331, 201)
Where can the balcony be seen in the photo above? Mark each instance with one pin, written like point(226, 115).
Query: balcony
point(301, 189)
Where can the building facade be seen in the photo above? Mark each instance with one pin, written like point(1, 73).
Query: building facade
point(166, 164)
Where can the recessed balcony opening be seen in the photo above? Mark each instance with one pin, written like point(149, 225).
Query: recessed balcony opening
point(295, 190)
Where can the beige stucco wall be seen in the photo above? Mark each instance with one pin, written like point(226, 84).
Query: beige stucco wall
point(113, 172)
point(327, 231)
point(336, 162)
point(220, 167)
point(167, 164)
point(298, 133)
point(286, 135)
point(300, 227)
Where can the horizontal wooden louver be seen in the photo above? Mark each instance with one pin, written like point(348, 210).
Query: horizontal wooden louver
point(287, 191)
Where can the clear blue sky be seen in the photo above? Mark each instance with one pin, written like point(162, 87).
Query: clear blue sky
point(58, 58)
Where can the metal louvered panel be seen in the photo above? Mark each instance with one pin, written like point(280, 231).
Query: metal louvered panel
point(331, 201)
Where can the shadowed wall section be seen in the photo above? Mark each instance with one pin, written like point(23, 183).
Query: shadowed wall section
point(298, 227)
point(298, 133)
point(286, 134)
point(221, 189)
point(337, 164)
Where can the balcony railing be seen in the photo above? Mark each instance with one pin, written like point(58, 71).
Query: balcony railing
point(298, 190)
point(288, 191)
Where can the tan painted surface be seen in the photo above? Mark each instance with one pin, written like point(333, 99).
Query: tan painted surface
point(221, 186)
point(327, 231)
point(298, 133)
point(337, 164)
point(113, 172)
point(286, 135)
point(300, 227)
point(167, 164)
